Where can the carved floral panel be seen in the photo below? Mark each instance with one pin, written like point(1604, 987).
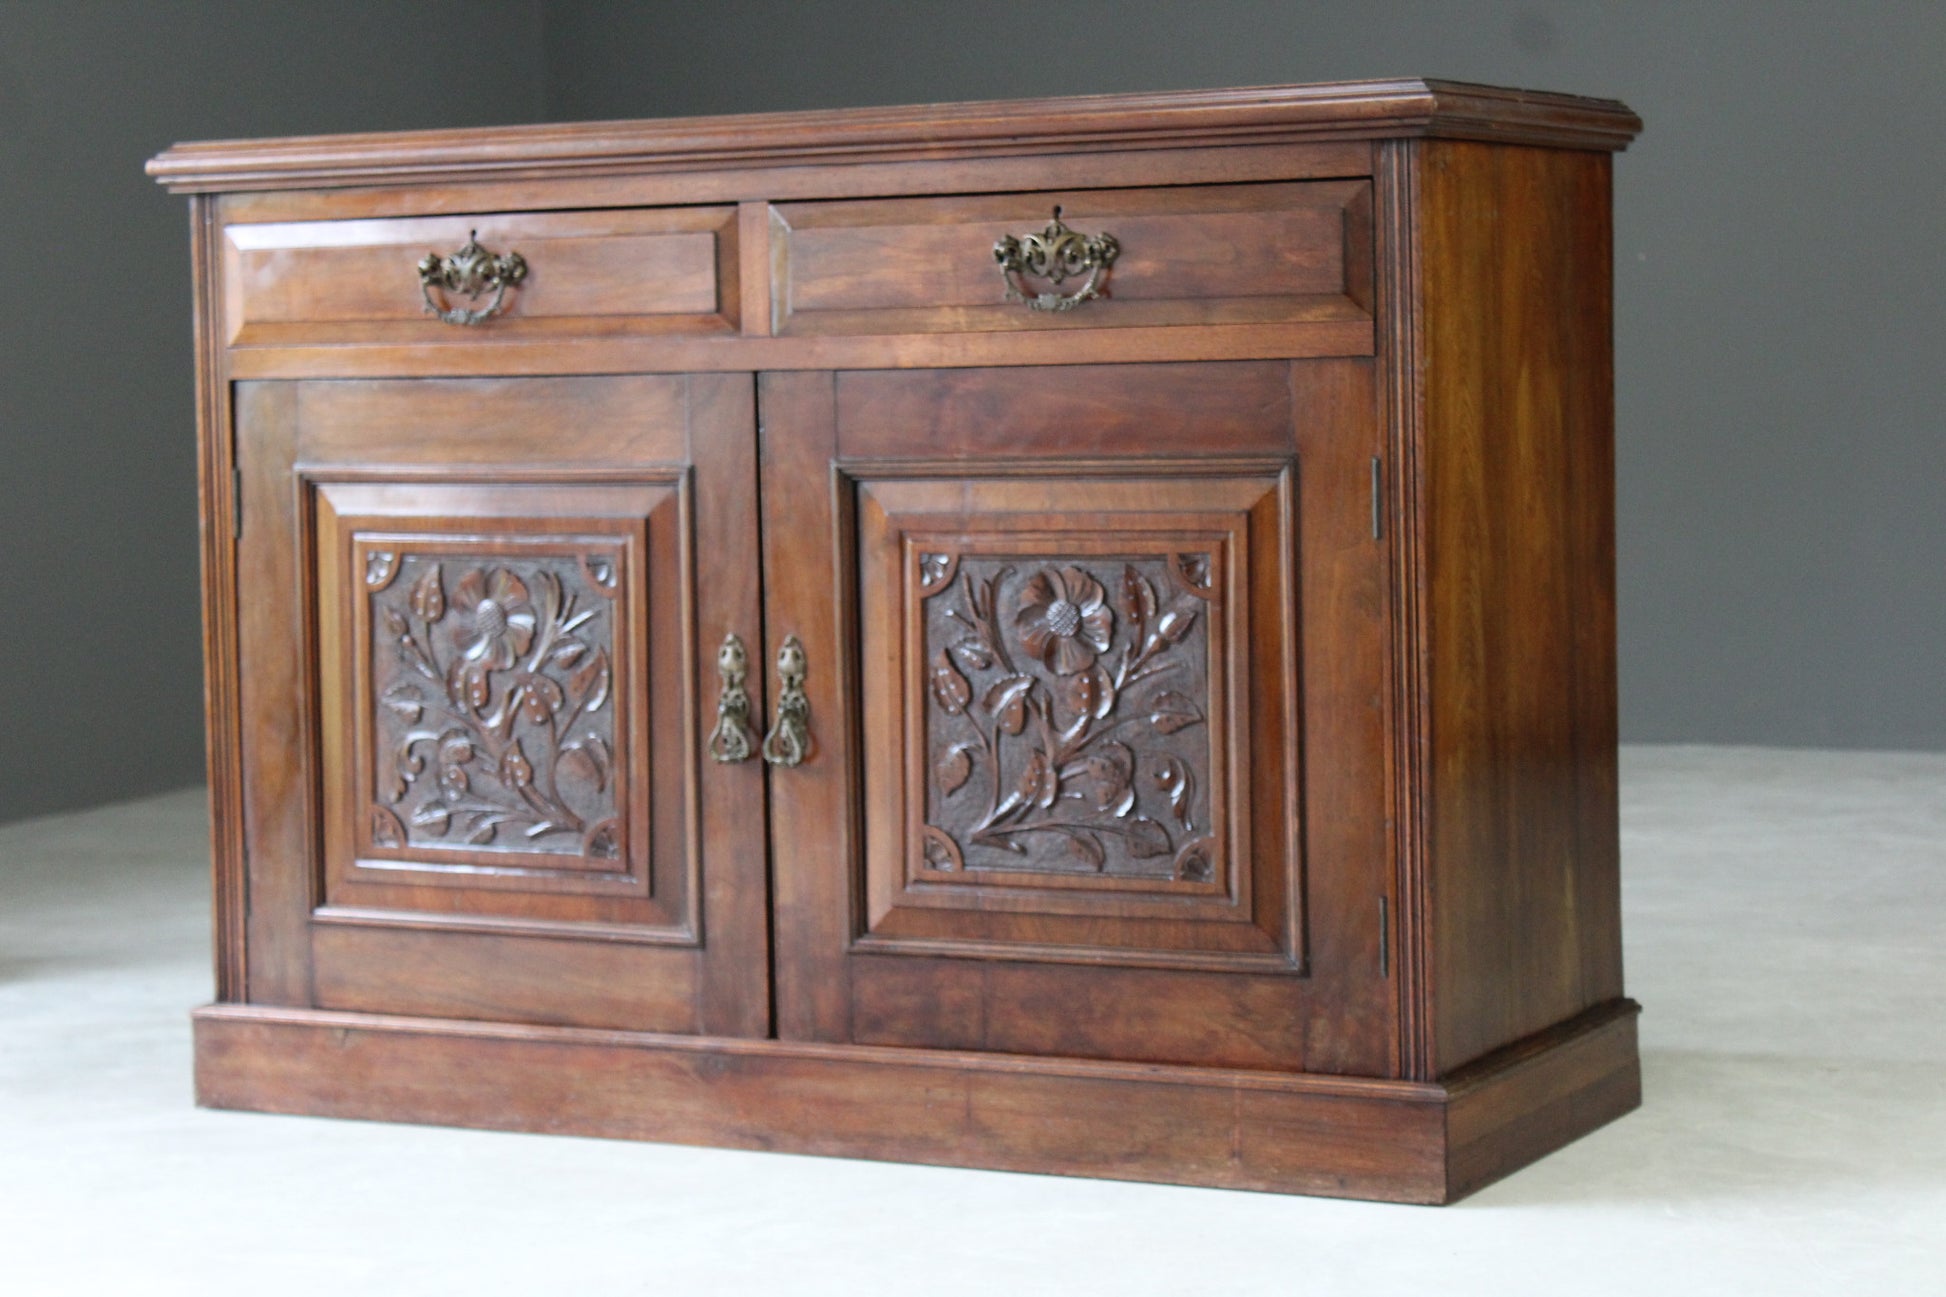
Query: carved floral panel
point(1067, 715)
point(493, 719)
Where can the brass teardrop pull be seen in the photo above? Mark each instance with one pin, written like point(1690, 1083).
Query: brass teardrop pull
point(789, 740)
point(732, 740)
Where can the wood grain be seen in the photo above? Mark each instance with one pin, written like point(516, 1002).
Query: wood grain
point(501, 469)
point(1178, 119)
point(1215, 254)
point(1516, 449)
point(1118, 458)
point(1228, 164)
point(275, 697)
point(292, 283)
point(217, 488)
point(1398, 1141)
point(813, 816)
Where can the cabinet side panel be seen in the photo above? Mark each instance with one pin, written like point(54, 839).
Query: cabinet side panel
point(1518, 458)
point(217, 512)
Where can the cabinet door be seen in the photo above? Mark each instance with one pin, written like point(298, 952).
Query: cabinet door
point(479, 623)
point(1096, 672)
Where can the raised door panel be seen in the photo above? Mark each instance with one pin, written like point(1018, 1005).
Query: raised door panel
point(501, 595)
point(1064, 710)
point(1072, 789)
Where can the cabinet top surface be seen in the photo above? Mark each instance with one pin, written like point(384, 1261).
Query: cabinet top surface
point(1173, 119)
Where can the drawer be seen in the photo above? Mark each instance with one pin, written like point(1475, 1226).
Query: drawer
point(1216, 254)
point(599, 273)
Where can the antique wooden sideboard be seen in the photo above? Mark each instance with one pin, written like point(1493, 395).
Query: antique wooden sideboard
point(1069, 636)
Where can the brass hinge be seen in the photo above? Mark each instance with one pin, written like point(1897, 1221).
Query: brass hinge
point(1378, 499)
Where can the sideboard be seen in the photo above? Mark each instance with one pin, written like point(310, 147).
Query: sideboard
point(1068, 636)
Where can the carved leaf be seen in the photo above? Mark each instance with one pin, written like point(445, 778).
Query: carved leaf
point(949, 687)
point(515, 770)
point(590, 681)
point(1091, 693)
point(407, 764)
point(973, 655)
point(566, 653)
point(434, 816)
point(1175, 624)
point(428, 600)
point(484, 829)
point(1179, 782)
point(1173, 711)
point(980, 597)
point(1138, 597)
point(453, 780)
point(588, 757)
point(1110, 773)
point(396, 623)
point(1087, 846)
point(955, 765)
point(1039, 783)
point(470, 683)
point(540, 698)
point(1006, 701)
point(404, 701)
point(1146, 838)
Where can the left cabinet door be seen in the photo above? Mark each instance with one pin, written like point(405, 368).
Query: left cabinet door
point(479, 627)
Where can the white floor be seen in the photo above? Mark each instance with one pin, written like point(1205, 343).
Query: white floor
point(1786, 932)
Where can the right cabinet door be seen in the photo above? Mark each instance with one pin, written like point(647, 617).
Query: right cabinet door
point(1095, 665)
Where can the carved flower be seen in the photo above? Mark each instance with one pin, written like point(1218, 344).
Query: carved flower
point(496, 619)
point(1064, 620)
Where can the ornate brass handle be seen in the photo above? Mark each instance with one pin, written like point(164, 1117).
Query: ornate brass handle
point(1056, 254)
point(789, 740)
point(731, 740)
point(471, 272)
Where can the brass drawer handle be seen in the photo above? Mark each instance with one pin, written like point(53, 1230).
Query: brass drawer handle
point(789, 740)
point(470, 273)
point(732, 741)
point(1056, 254)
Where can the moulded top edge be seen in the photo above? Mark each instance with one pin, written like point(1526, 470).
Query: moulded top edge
point(1336, 110)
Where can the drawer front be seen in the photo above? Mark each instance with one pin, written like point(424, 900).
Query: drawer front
point(601, 273)
point(1217, 254)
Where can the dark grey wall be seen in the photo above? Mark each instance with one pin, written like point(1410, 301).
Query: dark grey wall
point(1778, 275)
point(1779, 278)
point(100, 675)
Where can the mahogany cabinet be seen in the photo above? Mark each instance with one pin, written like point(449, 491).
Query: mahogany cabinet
point(1071, 636)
